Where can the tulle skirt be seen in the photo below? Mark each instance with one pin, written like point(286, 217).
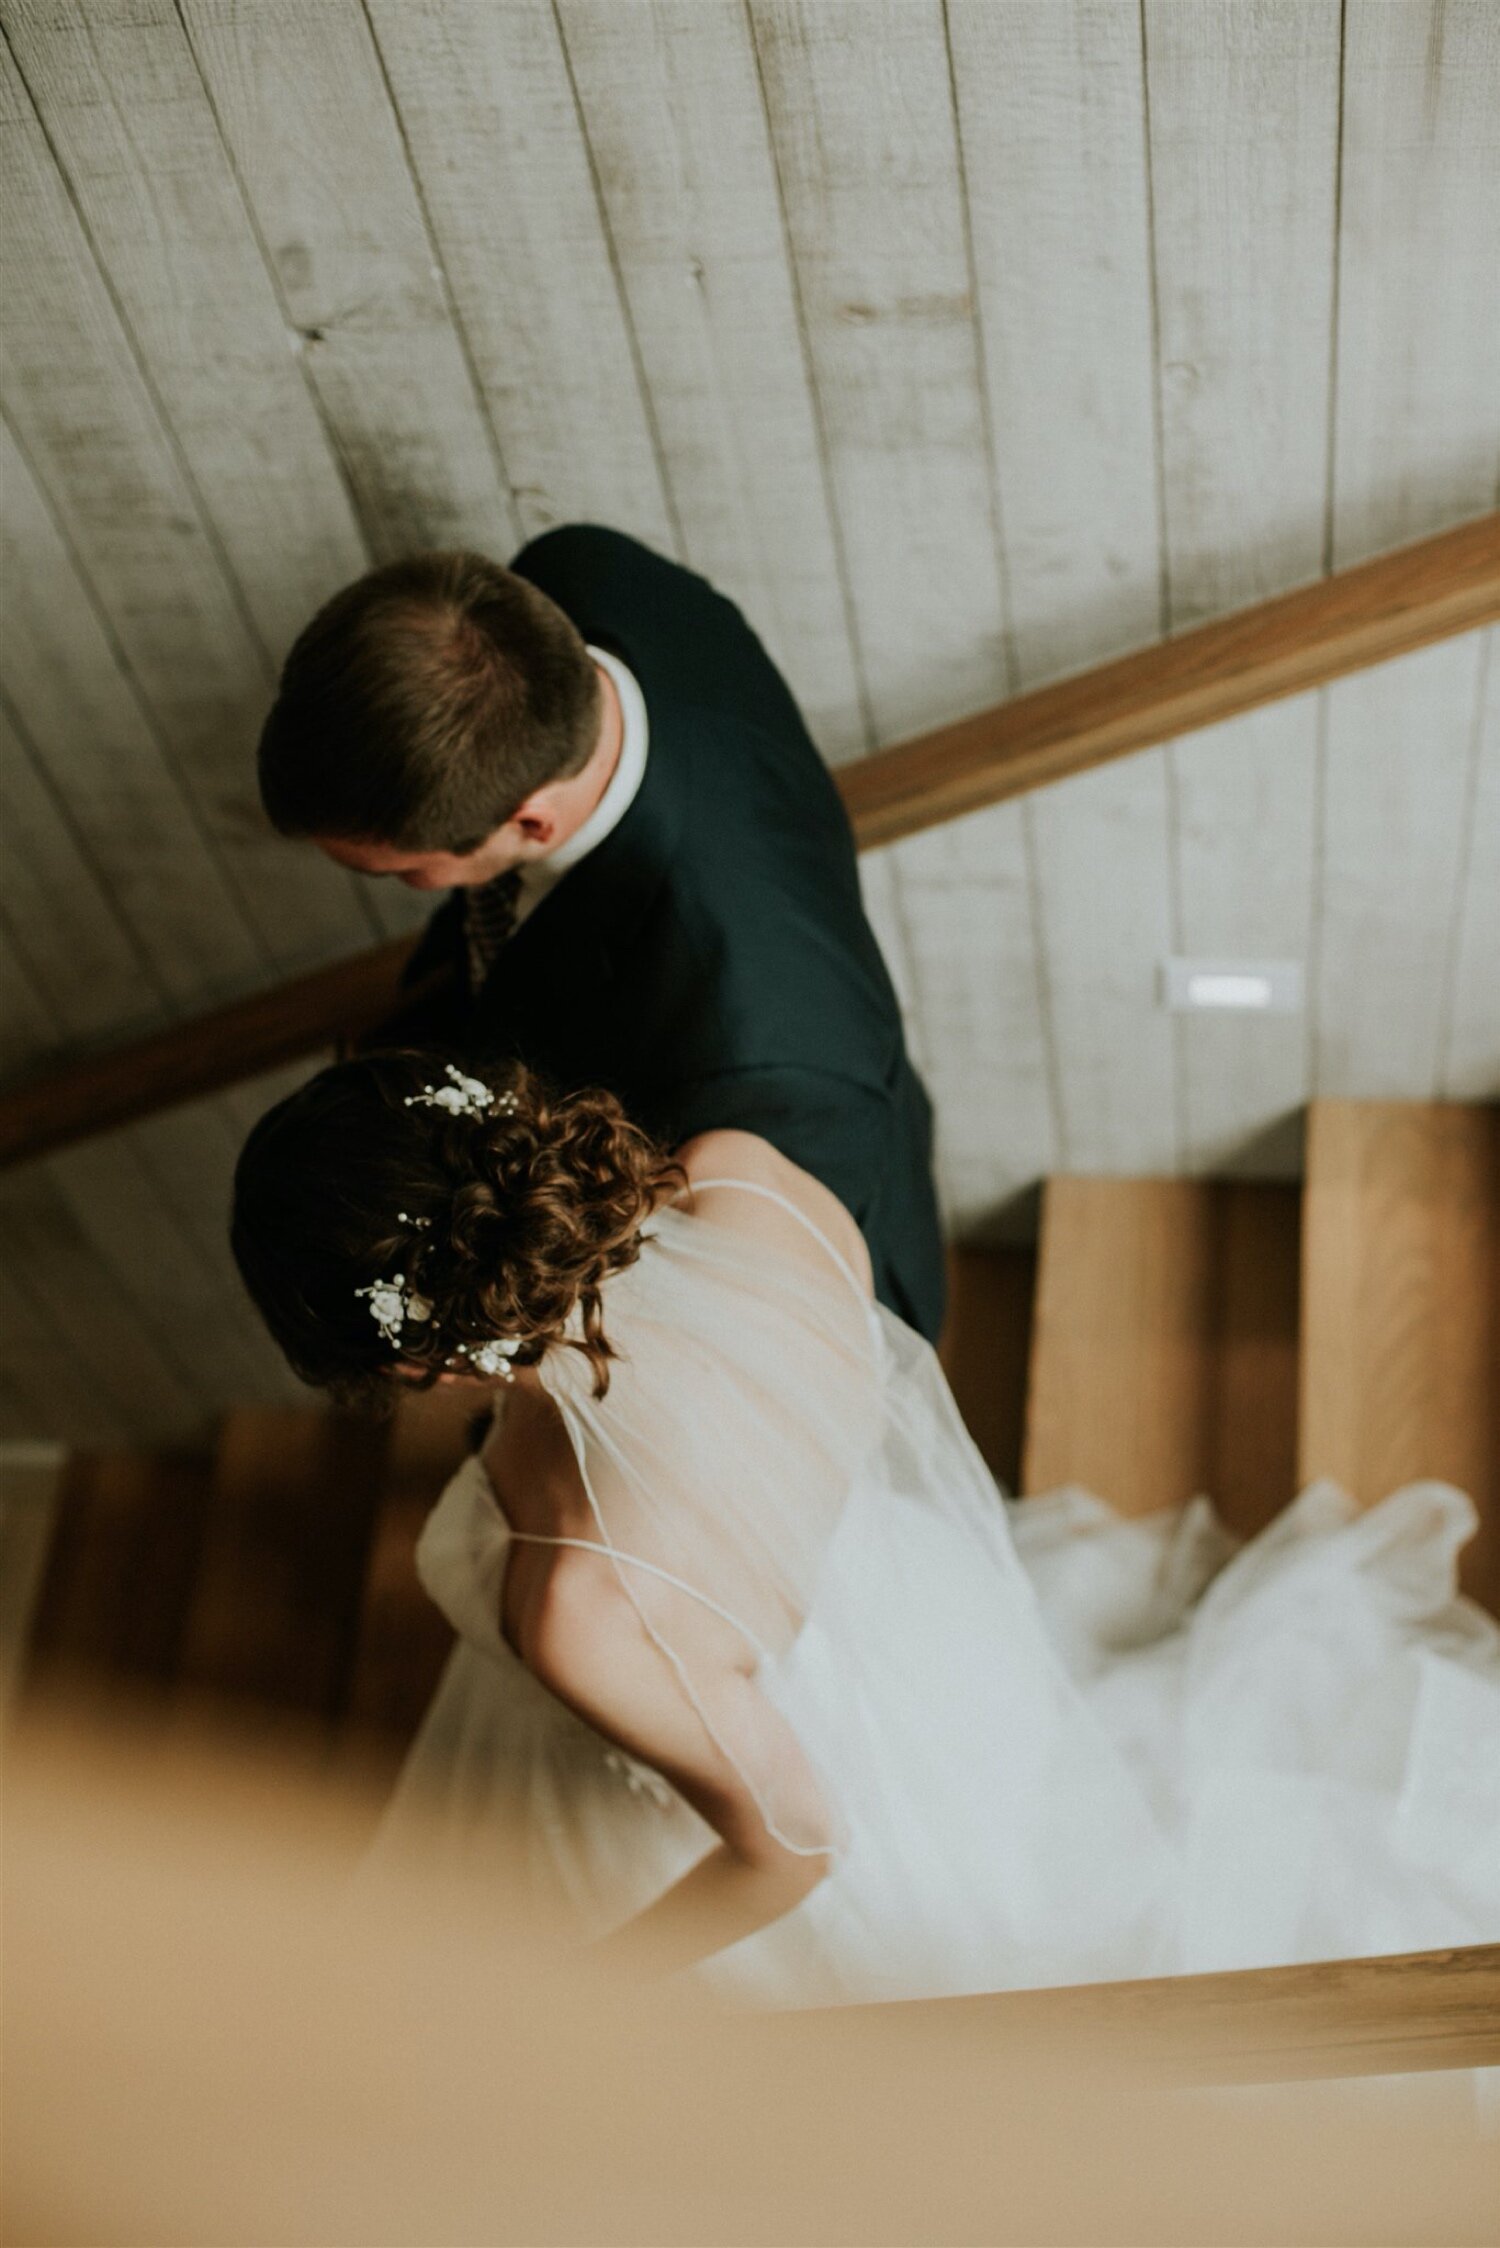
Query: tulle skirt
point(1100, 1748)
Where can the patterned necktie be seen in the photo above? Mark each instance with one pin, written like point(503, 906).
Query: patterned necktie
point(489, 917)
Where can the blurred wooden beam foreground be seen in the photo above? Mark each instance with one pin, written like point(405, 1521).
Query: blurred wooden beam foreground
point(208, 2036)
point(1387, 607)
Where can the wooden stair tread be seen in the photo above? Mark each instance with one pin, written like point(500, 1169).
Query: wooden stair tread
point(1164, 1351)
point(403, 1640)
point(275, 1610)
point(125, 1547)
point(1401, 1294)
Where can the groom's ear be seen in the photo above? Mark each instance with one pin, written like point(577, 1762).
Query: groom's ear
point(535, 821)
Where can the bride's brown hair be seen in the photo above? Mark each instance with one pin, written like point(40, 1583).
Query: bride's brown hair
point(505, 1219)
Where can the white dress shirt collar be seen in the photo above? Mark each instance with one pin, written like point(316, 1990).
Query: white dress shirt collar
point(539, 876)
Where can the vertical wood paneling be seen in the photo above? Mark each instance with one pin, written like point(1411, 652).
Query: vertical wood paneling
point(1050, 104)
point(1105, 904)
point(1053, 142)
point(62, 1272)
point(862, 124)
point(105, 761)
point(1244, 102)
point(1471, 1058)
point(879, 247)
point(126, 112)
point(967, 894)
point(186, 1303)
point(1416, 442)
point(670, 102)
point(1244, 165)
point(303, 104)
point(91, 421)
point(27, 1029)
point(488, 111)
point(67, 929)
point(1400, 745)
point(52, 1395)
point(1245, 797)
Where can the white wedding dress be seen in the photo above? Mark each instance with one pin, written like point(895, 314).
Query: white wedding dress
point(1058, 1745)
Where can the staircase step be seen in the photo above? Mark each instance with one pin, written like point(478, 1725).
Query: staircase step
point(127, 1535)
point(275, 1609)
point(403, 1640)
point(1164, 1345)
point(985, 1348)
point(1401, 1306)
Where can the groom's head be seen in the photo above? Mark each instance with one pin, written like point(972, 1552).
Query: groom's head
point(428, 722)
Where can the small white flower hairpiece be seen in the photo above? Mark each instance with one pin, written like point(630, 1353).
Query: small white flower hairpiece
point(463, 1096)
point(392, 1303)
point(493, 1357)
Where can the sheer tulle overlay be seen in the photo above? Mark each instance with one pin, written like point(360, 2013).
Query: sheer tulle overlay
point(1055, 1745)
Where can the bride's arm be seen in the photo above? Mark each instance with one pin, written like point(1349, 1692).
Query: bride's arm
point(588, 1646)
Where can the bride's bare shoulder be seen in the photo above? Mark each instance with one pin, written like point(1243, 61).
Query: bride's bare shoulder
point(743, 1156)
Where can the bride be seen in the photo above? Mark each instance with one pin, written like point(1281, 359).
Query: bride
point(756, 1669)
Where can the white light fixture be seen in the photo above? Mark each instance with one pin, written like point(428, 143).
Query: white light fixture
point(1247, 987)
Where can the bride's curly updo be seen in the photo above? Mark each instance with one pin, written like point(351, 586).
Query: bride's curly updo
point(474, 1221)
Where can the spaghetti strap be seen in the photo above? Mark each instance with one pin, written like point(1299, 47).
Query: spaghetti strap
point(612, 1553)
point(769, 1194)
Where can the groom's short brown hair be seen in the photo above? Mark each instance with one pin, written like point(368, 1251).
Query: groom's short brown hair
point(423, 704)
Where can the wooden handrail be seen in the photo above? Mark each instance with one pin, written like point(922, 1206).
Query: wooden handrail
point(1388, 2015)
point(1366, 615)
point(1401, 601)
point(286, 1023)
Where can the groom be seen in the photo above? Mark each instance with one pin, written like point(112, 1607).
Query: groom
point(653, 880)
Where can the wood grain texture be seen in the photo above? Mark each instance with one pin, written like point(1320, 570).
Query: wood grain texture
point(131, 124)
point(1401, 1306)
point(403, 1639)
point(1244, 110)
point(967, 904)
point(1471, 1045)
point(669, 99)
point(1104, 905)
point(106, 763)
point(1243, 134)
point(1399, 766)
point(1050, 111)
point(77, 949)
point(1245, 802)
point(1052, 155)
point(96, 1318)
point(986, 1347)
point(302, 101)
point(491, 124)
point(89, 418)
point(47, 1389)
point(1163, 1360)
point(1416, 443)
point(124, 1554)
point(276, 1600)
point(879, 254)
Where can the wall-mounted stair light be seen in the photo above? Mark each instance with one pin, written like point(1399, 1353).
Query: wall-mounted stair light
point(1246, 987)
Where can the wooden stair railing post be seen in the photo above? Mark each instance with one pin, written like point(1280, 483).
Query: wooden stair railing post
point(1387, 607)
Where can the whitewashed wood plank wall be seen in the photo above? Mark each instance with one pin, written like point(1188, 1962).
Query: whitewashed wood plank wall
point(963, 345)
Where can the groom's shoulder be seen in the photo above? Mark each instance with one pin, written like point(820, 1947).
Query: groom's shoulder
point(589, 569)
